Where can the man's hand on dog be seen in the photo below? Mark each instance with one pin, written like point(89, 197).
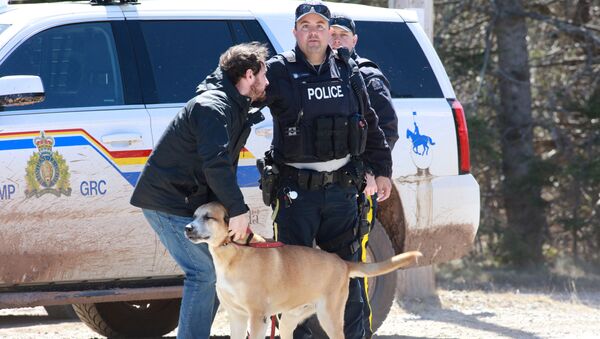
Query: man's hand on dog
point(238, 226)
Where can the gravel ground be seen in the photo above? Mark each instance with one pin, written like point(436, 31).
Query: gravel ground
point(452, 314)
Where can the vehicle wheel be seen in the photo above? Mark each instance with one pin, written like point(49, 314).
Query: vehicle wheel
point(61, 312)
point(144, 318)
point(382, 289)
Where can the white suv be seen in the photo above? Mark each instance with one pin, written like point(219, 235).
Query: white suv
point(112, 76)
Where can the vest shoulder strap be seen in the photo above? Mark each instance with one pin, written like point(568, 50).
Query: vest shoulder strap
point(289, 56)
point(364, 62)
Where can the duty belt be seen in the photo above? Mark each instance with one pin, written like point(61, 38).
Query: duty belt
point(314, 180)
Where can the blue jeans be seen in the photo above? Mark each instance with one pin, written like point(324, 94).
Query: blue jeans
point(199, 303)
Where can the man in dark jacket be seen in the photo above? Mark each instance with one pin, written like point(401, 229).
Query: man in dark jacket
point(195, 162)
point(343, 34)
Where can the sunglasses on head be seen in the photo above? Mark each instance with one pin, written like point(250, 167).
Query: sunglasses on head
point(318, 8)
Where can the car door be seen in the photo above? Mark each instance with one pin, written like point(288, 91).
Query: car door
point(69, 164)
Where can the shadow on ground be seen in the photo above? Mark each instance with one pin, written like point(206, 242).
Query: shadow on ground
point(431, 309)
point(12, 321)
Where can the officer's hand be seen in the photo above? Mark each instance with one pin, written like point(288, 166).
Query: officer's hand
point(238, 226)
point(384, 188)
point(371, 187)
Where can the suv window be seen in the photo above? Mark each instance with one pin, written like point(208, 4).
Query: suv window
point(181, 54)
point(78, 65)
point(255, 33)
point(394, 48)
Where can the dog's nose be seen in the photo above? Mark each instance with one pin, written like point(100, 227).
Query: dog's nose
point(189, 228)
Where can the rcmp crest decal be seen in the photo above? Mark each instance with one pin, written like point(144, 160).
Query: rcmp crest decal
point(47, 171)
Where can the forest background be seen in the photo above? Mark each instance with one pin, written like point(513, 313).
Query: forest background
point(528, 76)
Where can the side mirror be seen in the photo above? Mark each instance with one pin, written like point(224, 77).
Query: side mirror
point(20, 90)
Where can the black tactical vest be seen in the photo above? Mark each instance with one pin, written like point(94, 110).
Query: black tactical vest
point(322, 123)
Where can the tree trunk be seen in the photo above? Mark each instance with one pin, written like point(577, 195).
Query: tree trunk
point(524, 207)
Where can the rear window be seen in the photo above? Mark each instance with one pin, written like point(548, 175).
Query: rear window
point(182, 53)
point(394, 48)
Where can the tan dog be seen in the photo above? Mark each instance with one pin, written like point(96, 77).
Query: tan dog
point(296, 281)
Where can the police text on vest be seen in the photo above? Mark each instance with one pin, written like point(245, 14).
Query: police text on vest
point(325, 92)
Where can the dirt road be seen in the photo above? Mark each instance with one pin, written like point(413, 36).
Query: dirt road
point(454, 314)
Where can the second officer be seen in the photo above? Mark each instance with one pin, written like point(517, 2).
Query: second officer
point(343, 34)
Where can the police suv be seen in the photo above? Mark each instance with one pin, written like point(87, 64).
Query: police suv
point(86, 90)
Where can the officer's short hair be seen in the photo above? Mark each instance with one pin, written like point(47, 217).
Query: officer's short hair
point(239, 58)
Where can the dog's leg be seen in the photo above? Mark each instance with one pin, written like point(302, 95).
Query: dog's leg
point(258, 326)
point(290, 320)
point(238, 323)
point(330, 313)
point(287, 325)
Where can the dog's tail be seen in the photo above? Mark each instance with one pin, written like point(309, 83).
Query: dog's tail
point(383, 267)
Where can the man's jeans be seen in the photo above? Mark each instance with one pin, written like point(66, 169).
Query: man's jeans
point(199, 303)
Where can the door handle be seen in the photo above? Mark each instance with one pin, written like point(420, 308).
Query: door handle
point(122, 138)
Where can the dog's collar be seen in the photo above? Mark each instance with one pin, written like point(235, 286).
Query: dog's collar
point(246, 243)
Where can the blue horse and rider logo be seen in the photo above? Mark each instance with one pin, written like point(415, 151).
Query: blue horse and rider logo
point(419, 141)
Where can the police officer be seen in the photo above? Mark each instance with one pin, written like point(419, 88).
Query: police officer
point(326, 137)
point(194, 163)
point(343, 34)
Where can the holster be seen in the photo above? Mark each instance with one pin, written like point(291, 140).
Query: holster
point(364, 226)
point(358, 172)
point(269, 176)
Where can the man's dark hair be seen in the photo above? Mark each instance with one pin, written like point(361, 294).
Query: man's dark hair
point(239, 58)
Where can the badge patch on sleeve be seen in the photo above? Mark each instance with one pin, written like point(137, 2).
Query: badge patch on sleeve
point(376, 84)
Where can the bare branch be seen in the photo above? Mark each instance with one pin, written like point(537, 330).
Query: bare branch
point(486, 56)
point(566, 26)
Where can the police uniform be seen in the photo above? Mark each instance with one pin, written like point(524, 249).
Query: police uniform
point(378, 88)
point(381, 101)
point(325, 135)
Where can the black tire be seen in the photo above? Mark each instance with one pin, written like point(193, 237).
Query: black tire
point(133, 319)
point(61, 312)
point(382, 289)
